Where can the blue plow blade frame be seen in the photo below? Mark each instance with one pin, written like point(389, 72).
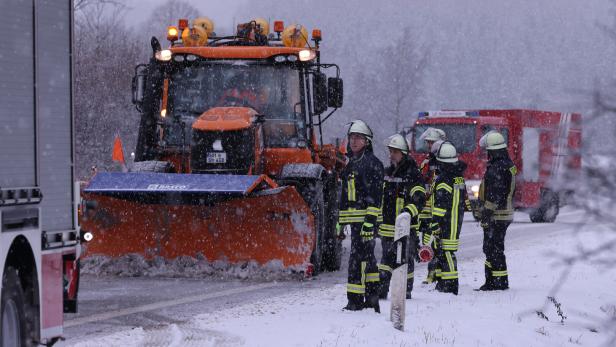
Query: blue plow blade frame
point(133, 182)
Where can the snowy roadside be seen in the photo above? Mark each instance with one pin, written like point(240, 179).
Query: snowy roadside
point(313, 317)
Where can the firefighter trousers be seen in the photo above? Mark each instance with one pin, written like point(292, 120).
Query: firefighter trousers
point(388, 263)
point(447, 264)
point(494, 249)
point(363, 278)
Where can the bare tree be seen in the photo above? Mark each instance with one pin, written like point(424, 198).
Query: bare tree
point(394, 84)
point(105, 55)
point(168, 14)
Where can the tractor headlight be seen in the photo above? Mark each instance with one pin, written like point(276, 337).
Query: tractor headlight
point(306, 55)
point(164, 55)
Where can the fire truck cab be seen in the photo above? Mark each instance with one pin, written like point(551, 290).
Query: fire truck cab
point(545, 147)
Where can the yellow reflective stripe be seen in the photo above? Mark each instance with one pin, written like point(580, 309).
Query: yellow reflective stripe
point(438, 211)
point(454, 214)
point(499, 273)
point(426, 238)
point(490, 205)
point(387, 233)
point(351, 188)
point(347, 220)
point(418, 189)
point(437, 273)
point(450, 245)
point(373, 211)
point(410, 275)
point(372, 277)
point(452, 275)
point(413, 209)
point(363, 272)
point(384, 267)
point(387, 227)
point(487, 263)
point(445, 186)
point(353, 212)
point(399, 204)
point(356, 288)
point(450, 262)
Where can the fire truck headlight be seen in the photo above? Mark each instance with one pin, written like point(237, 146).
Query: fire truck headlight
point(86, 236)
point(306, 55)
point(164, 55)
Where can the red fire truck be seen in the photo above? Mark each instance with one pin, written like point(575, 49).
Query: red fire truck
point(39, 234)
point(545, 147)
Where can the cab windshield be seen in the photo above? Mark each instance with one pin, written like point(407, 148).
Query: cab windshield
point(272, 91)
point(462, 136)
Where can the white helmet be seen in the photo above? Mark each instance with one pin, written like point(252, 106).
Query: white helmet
point(493, 140)
point(447, 153)
point(433, 134)
point(398, 141)
point(360, 127)
point(435, 146)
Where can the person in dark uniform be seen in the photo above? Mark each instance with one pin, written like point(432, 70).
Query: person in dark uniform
point(360, 206)
point(496, 209)
point(403, 192)
point(428, 171)
point(448, 212)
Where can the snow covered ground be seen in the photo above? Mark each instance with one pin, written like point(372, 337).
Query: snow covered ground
point(579, 313)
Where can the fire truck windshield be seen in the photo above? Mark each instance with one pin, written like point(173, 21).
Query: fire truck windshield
point(463, 136)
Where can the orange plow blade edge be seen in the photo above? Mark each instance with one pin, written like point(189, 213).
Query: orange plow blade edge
point(222, 217)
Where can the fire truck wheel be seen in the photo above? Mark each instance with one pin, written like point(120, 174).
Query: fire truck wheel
point(13, 312)
point(547, 210)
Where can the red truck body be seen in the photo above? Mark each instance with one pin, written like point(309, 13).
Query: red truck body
point(545, 147)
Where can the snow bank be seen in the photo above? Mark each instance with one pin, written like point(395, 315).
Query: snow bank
point(133, 265)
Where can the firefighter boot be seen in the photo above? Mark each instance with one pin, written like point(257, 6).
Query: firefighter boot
point(354, 305)
point(488, 285)
point(409, 288)
point(500, 283)
point(373, 302)
point(383, 290)
point(448, 286)
point(355, 302)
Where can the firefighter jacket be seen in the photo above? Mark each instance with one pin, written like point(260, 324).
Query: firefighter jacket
point(403, 191)
point(428, 172)
point(497, 187)
point(448, 203)
point(362, 189)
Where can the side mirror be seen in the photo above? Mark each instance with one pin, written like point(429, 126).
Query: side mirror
point(138, 86)
point(334, 92)
point(319, 88)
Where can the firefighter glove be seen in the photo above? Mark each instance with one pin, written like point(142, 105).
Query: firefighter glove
point(367, 232)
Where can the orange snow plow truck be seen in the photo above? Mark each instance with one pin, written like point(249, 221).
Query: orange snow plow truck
point(230, 163)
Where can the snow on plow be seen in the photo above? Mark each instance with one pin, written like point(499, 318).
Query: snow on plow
point(235, 218)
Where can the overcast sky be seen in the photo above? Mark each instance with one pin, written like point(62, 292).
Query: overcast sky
point(222, 12)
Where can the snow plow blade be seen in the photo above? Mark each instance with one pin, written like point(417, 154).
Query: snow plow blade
point(235, 218)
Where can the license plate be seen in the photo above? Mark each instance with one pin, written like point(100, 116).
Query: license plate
point(216, 158)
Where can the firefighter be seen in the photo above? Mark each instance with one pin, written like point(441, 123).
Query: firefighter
point(403, 192)
point(448, 212)
point(360, 206)
point(428, 168)
point(496, 211)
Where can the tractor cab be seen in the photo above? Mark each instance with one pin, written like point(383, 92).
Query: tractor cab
point(235, 104)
